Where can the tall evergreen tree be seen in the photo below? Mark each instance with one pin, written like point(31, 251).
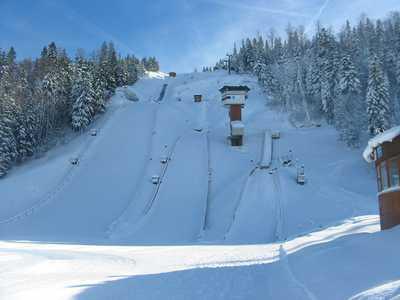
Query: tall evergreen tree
point(348, 103)
point(82, 112)
point(83, 95)
point(377, 98)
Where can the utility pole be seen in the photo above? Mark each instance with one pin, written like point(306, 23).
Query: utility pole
point(229, 62)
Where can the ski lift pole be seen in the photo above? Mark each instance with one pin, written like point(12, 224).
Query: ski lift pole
point(229, 63)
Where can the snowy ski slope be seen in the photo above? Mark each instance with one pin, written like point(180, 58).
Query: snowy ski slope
point(223, 223)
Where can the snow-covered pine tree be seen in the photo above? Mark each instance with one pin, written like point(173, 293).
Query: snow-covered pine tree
point(320, 58)
point(8, 125)
point(7, 146)
point(82, 111)
point(132, 69)
point(249, 56)
point(112, 68)
point(64, 68)
point(152, 64)
point(108, 62)
point(83, 95)
point(348, 103)
point(121, 73)
point(98, 90)
point(52, 93)
point(31, 118)
point(140, 69)
point(36, 101)
point(23, 138)
point(2, 59)
point(314, 78)
point(259, 55)
point(327, 72)
point(377, 98)
point(235, 59)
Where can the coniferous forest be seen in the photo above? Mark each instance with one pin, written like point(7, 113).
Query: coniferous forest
point(41, 98)
point(350, 77)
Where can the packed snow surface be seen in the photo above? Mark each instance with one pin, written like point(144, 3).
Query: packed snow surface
point(386, 136)
point(222, 222)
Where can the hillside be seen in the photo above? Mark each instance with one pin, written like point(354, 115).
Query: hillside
point(216, 227)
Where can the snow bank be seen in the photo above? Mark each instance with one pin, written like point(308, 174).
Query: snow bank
point(156, 75)
point(387, 136)
point(130, 95)
point(326, 264)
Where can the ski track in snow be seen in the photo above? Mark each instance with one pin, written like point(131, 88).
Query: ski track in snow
point(211, 229)
point(239, 200)
point(280, 233)
point(304, 293)
point(209, 169)
point(163, 172)
point(120, 219)
point(51, 196)
point(124, 215)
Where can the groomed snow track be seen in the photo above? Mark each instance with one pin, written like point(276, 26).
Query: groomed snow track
point(69, 175)
point(126, 216)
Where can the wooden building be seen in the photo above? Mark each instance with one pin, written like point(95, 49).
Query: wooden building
point(234, 97)
point(384, 151)
point(235, 112)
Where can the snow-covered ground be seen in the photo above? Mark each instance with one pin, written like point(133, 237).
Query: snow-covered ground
point(216, 227)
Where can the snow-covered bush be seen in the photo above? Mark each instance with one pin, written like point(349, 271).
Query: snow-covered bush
point(131, 96)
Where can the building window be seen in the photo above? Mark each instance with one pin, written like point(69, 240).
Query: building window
point(394, 173)
point(378, 174)
point(384, 177)
point(379, 152)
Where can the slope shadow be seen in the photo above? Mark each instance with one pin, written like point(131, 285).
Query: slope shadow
point(340, 229)
point(205, 283)
point(335, 269)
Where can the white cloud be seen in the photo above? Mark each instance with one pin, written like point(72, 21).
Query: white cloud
point(264, 8)
point(317, 16)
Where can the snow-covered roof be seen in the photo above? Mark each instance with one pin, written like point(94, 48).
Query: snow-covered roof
point(387, 136)
point(226, 88)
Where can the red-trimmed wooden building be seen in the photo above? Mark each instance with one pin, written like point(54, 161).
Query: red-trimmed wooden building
point(384, 150)
point(235, 98)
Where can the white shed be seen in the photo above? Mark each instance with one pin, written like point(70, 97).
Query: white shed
point(237, 128)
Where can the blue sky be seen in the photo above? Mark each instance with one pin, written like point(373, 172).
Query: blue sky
point(183, 34)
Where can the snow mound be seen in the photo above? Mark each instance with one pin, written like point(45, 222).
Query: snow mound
point(130, 95)
point(156, 75)
point(387, 136)
point(385, 291)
